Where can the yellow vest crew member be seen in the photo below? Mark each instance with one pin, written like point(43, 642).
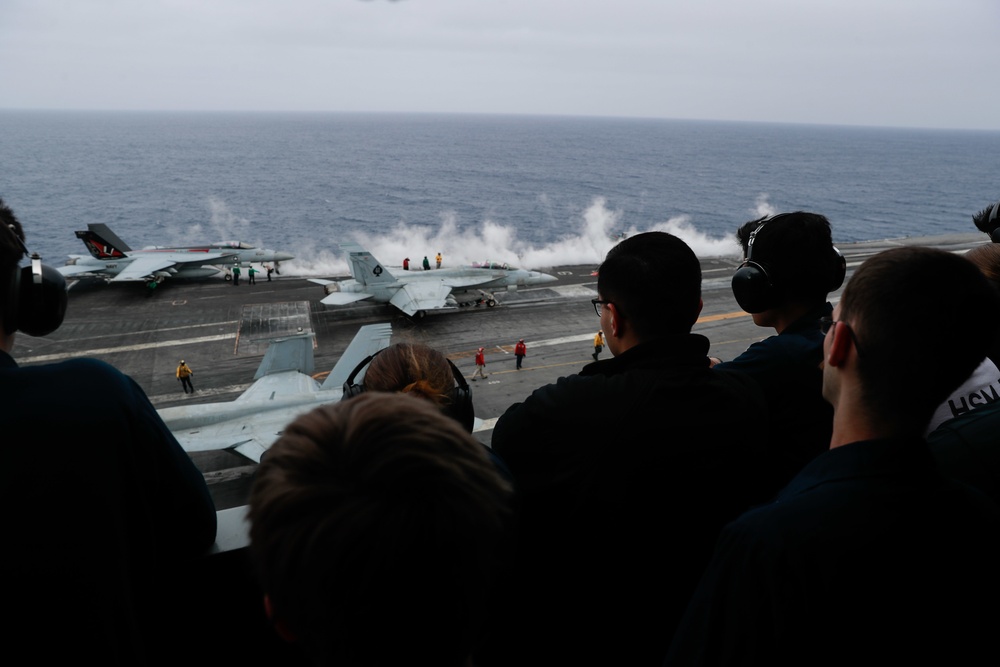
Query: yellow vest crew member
point(184, 374)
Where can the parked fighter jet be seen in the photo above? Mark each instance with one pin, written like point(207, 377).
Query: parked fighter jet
point(113, 259)
point(415, 292)
point(283, 390)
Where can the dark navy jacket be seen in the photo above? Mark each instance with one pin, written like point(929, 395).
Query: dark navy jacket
point(787, 367)
point(624, 474)
point(869, 556)
point(99, 507)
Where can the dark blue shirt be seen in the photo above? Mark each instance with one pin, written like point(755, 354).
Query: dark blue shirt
point(99, 506)
point(869, 556)
point(787, 366)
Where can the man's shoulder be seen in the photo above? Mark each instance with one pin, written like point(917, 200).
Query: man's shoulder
point(86, 366)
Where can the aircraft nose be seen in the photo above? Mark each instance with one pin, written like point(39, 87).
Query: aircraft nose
point(282, 257)
point(539, 277)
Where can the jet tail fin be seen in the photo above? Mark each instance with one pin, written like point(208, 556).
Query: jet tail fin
point(102, 243)
point(364, 268)
point(370, 339)
point(294, 353)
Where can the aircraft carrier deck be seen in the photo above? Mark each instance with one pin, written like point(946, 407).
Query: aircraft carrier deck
point(222, 331)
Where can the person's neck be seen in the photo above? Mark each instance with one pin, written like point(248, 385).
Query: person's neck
point(788, 315)
point(854, 423)
point(6, 340)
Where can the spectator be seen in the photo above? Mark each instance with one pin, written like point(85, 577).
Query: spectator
point(415, 368)
point(624, 473)
point(100, 502)
point(379, 527)
point(869, 553)
point(967, 446)
point(791, 266)
point(982, 387)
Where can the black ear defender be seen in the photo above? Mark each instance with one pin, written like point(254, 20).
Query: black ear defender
point(36, 301)
point(839, 270)
point(459, 404)
point(752, 286)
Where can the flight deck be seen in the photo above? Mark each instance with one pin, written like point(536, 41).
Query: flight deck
point(222, 332)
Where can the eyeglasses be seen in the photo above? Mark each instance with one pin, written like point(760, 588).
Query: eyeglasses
point(599, 305)
point(826, 323)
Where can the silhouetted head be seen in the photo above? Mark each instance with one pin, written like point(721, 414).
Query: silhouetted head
point(988, 221)
point(920, 329)
point(417, 369)
point(378, 528)
point(789, 258)
point(654, 281)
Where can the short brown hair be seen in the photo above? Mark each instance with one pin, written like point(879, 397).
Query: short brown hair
point(378, 528)
point(922, 328)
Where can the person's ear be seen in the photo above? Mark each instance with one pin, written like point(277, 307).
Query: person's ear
point(614, 320)
point(840, 345)
point(278, 625)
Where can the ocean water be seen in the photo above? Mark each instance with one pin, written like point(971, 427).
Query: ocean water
point(532, 191)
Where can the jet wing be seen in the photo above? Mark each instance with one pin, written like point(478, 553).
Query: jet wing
point(77, 269)
point(421, 295)
point(145, 265)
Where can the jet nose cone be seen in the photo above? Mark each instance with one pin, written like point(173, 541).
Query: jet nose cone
point(539, 277)
point(282, 257)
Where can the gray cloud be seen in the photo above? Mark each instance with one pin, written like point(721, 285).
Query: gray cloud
point(916, 63)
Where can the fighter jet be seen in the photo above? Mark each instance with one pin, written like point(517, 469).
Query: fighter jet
point(113, 259)
point(415, 292)
point(284, 389)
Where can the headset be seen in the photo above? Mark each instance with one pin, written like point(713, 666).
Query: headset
point(36, 299)
point(755, 290)
point(458, 406)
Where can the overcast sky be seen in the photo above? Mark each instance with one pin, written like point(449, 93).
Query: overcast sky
point(912, 63)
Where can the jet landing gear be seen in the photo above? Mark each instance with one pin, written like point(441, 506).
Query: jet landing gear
point(485, 300)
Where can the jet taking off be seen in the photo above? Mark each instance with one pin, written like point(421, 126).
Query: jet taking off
point(283, 390)
point(112, 258)
point(415, 292)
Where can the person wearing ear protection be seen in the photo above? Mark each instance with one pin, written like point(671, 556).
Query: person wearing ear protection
point(420, 370)
point(790, 268)
point(98, 501)
point(415, 368)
